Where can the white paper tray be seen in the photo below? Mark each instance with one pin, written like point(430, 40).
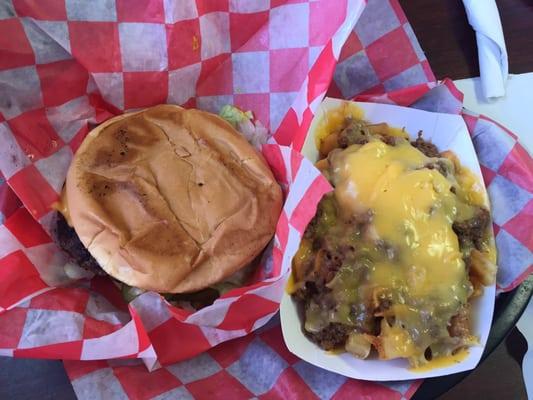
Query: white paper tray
point(447, 132)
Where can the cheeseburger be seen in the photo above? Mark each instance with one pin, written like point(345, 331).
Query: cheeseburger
point(167, 199)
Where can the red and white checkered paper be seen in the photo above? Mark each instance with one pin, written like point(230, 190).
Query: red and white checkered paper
point(381, 61)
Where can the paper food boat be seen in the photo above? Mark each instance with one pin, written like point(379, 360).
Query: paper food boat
point(447, 132)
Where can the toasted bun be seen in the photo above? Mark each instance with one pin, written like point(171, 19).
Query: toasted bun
point(171, 200)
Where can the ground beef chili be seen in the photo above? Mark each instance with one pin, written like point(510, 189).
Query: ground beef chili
point(428, 148)
point(460, 323)
point(472, 231)
point(331, 262)
point(330, 237)
point(71, 244)
point(439, 166)
point(332, 336)
point(353, 132)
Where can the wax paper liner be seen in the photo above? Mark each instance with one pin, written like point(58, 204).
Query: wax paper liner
point(380, 56)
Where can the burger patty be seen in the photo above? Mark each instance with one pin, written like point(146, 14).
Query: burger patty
point(71, 244)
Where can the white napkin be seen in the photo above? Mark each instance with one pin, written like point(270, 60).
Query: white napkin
point(483, 16)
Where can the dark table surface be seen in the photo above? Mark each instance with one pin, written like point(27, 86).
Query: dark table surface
point(449, 43)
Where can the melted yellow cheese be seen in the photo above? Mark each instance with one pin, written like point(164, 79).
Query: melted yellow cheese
point(413, 211)
point(398, 342)
point(419, 264)
point(291, 287)
point(442, 362)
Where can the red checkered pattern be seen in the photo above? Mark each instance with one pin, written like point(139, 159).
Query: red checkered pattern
point(508, 172)
point(365, 65)
point(258, 365)
point(252, 46)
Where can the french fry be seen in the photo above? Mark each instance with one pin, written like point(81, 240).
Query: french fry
point(329, 143)
point(322, 165)
point(482, 268)
point(359, 345)
point(379, 129)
